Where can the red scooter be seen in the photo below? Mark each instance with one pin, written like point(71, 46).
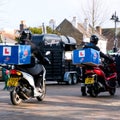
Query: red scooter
point(100, 78)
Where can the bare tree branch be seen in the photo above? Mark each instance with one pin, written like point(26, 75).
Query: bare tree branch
point(95, 12)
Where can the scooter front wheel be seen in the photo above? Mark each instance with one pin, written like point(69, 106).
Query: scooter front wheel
point(14, 97)
point(112, 91)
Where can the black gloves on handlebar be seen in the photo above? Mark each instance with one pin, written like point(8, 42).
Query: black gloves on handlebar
point(111, 60)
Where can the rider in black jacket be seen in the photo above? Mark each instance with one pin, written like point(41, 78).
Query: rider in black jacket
point(93, 42)
point(36, 58)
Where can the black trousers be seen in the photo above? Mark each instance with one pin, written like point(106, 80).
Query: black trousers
point(83, 87)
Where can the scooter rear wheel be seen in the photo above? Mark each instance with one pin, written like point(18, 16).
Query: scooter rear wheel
point(14, 97)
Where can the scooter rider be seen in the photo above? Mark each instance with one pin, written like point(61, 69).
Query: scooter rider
point(25, 39)
point(92, 44)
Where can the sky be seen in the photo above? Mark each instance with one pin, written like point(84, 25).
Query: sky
point(36, 12)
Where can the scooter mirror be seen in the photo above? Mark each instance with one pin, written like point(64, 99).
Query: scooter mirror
point(47, 53)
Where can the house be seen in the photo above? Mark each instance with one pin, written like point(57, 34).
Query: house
point(82, 33)
point(109, 33)
point(7, 36)
point(87, 31)
point(66, 28)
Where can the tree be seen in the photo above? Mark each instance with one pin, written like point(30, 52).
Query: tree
point(49, 30)
point(95, 12)
point(36, 30)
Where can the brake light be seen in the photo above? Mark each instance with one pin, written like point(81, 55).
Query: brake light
point(15, 72)
point(89, 71)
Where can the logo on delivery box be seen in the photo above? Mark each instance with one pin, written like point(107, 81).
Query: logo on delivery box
point(95, 56)
point(6, 51)
point(82, 53)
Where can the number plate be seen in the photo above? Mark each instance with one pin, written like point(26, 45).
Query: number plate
point(89, 80)
point(13, 81)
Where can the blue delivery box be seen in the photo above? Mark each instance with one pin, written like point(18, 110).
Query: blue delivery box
point(15, 54)
point(87, 55)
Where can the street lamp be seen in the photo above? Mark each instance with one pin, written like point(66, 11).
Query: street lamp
point(116, 19)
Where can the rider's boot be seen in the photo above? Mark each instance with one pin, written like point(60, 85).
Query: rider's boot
point(36, 92)
point(39, 89)
point(83, 89)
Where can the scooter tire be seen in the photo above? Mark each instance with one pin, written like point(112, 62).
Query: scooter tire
point(14, 97)
point(112, 91)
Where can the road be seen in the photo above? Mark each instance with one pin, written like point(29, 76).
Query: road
point(62, 102)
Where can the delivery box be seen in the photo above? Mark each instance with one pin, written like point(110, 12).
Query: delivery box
point(15, 54)
point(87, 55)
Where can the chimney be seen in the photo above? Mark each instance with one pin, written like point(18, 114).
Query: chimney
point(22, 25)
point(99, 30)
point(44, 29)
point(86, 24)
point(52, 24)
point(74, 22)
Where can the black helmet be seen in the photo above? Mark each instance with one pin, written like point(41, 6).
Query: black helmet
point(94, 39)
point(25, 36)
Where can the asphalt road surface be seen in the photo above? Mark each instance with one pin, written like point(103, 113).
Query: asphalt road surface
point(62, 102)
